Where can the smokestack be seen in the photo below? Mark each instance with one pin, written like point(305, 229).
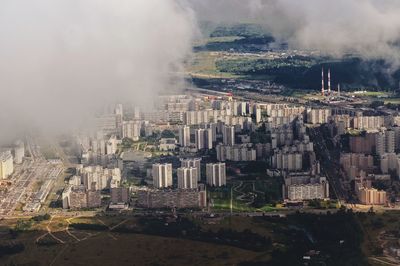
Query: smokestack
point(323, 85)
point(329, 81)
point(338, 90)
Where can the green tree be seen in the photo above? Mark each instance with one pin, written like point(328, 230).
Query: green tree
point(167, 134)
point(127, 142)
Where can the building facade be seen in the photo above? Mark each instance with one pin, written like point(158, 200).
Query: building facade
point(187, 178)
point(162, 175)
point(216, 174)
point(6, 164)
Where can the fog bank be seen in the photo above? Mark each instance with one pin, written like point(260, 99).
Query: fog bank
point(62, 59)
point(369, 28)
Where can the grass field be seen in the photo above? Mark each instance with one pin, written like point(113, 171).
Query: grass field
point(203, 66)
point(237, 206)
point(206, 41)
point(392, 101)
point(373, 226)
point(109, 247)
point(240, 206)
point(132, 249)
point(375, 94)
point(354, 132)
point(112, 248)
point(243, 196)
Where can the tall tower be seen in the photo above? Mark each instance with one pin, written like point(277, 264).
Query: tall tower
point(162, 175)
point(184, 136)
point(323, 85)
point(329, 81)
point(228, 135)
point(338, 90)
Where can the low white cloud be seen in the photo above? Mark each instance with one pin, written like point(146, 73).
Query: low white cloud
point(62, 59)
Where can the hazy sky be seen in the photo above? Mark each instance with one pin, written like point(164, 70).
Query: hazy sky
point(367, 27)
point(61, 59)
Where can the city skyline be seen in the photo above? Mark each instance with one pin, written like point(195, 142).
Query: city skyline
point(175, 132)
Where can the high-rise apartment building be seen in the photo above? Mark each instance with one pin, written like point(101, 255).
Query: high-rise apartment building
point(204, 139)
point(162, 175)
point(6, 164)
point(19, 152)
point(390, 136)
point(131, 129)
point(216, 174)
point(187, 178)
point(290, 161)
point(119, 195)
point(192, 163)
point(184, 136)
point(228, 135)
point(318, 116)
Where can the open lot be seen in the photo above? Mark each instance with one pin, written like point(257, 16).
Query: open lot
point(128, 240)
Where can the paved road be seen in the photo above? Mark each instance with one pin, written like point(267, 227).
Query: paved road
point(33, 169)
point(329, 165)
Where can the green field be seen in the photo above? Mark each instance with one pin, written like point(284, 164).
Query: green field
point(373, 225)
point(247, 196)
point(378, 94)
point(97, 245)
point(221, 39)
point(241, 51)
point(127, 240)
point(392, 101)
point(203, 65)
